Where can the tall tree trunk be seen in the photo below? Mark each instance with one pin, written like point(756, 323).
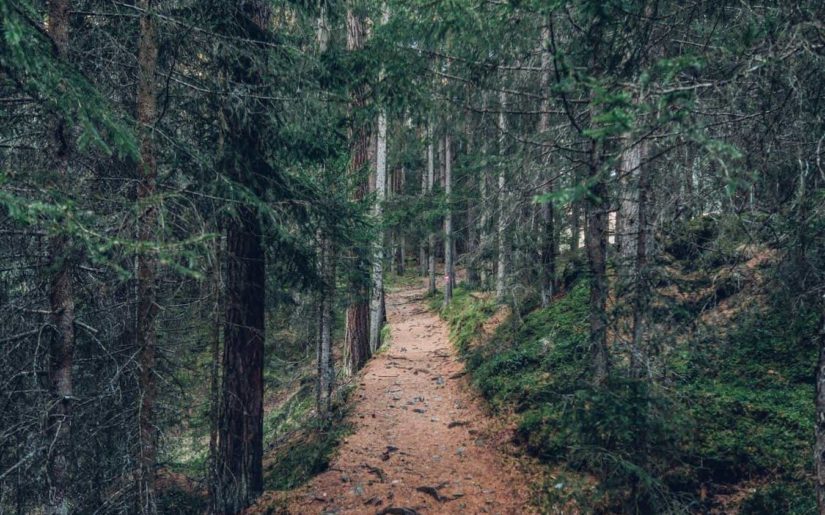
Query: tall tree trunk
point(484, 217)
point(596, 243)
point(430, 183)
point(325, 381)
point(641, 292)
point(146, 259)
point(402, 237)
point(326, 372)
point(627, 222)
point(449, 271)
point(61, 302)
point(483, 222)
point(422, 245)
point(240, 428)
point(393, 251)
point(356, 334)
point(819, 444)
point(402, 255)
point(376, 300)
point(471, 213)
point(215, 379)
point(240, 436)
point(575, 214)
point(548, 213)
point(501, 232)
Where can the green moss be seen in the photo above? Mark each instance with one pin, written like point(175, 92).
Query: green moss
point(465, 315)
point(308, 453)
point(790, 497)
point(290, 415)
point(177, 500)
point(737, 406)
point(386, 338)
point(301, 445)
point(395, 282)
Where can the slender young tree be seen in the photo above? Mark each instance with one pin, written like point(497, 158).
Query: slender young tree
point(422, 245)
point(377, 297)
point(641, 292)
point(501, 228)
point(325, 381)
point(61, 298)
point(449, 267)
point(430, 185)
point(146, 259)
point(596, 210)
point(548, 245)
point(326, 365)
point(402, 236)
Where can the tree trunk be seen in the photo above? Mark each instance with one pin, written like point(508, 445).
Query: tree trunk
point(146, 259)
point(215, 379)
point(356, 334)
point(575, 216)
point(422, 245)
point(240, 429)
point(501, 260)
point(596, 243)
point(430, 183)
point(240, 438)
point(627, 222)
point(449, 271)
point(401, 267)
point(61, 303)
point(548, 213)
point(471, 212)
point(819, 444)
point(376, 300)
point(484, 220)
point(325, 383)
point(641, 289)
point(484, 216)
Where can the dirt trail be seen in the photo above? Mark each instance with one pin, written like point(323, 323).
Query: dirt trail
point(422, 441)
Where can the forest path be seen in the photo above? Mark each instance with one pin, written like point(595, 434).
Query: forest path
point(422, 440)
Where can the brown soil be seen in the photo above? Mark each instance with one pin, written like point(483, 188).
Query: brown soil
point(422, 440)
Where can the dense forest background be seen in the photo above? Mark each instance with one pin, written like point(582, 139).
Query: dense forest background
point(200, 202)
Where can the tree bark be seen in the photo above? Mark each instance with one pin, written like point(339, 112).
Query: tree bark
point(240, 428)
point(240, 436)
point(422, 245)
point(819, 444)
point(356, 334)
point(146, 259)
point(484, 207)
point(548, 213)
point(597, 207)
point(401, 235)
point(430, 183)
point(641, 292)
point(501, 232)
point(215, 379)
point(325, 384)
point(449, 272)
point(376, 300)
point(61, 302)
point(627, 222)
point(471, 213)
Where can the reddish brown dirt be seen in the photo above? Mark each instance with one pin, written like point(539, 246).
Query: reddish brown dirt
point(422, 441)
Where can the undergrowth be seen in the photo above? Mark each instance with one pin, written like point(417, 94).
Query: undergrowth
point(742, 413)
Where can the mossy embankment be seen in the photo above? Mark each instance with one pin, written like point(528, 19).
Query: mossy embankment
point(727, 423)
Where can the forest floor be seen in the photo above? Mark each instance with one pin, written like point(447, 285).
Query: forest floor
point(423, 440)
